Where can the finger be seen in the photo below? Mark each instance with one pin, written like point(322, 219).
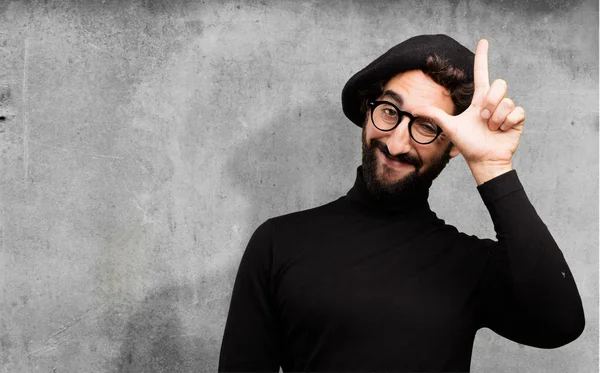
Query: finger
point(481, 80)
point(504, 108)
point(437, 115)
point(492, 99)
point(514, 119)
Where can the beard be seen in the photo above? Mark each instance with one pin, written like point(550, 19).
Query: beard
point(418, 179)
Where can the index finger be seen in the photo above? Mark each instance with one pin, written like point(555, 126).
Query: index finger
point(481, 79)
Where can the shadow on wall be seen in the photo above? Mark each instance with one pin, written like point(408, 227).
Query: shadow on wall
point(304, 158)
point(155, 338)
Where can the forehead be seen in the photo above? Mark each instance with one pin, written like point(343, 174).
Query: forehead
point(416, 88)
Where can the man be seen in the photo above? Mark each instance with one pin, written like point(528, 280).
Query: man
point(374, 281)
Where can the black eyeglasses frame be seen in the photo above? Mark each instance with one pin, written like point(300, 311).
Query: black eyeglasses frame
point(401, 113)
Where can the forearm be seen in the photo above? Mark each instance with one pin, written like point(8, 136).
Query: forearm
point(540, 279)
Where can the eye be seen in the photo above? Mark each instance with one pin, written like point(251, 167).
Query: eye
point(389, 112)
point(425, 126)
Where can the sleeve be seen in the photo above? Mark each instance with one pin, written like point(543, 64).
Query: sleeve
point(250, 340)
point(527, 293)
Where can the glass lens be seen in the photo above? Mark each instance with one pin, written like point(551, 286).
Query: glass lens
point(423, 130)
point(385, 116)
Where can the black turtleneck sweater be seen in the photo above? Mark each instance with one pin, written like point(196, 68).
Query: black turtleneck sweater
point(359, 285)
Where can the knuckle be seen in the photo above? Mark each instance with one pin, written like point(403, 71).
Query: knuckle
point(519, 112)
point(509, 103)
point(497, 118)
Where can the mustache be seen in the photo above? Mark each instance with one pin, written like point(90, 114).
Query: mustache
point(405, 158)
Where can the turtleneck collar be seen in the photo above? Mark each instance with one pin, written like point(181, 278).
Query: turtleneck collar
point(410, 202)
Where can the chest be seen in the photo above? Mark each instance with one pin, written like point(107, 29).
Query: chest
point(373, 285)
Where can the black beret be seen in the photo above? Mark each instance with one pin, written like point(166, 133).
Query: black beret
point(411, 54)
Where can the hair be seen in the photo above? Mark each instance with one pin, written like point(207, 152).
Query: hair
point(440, 71)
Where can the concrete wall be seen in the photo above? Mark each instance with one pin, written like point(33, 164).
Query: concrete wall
point(143, 142)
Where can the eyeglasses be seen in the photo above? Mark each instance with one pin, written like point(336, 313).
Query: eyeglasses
point(386, 116)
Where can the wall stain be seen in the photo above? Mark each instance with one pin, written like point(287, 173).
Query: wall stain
point(155, 338)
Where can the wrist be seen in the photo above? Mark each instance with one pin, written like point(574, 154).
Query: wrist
point(485, 171)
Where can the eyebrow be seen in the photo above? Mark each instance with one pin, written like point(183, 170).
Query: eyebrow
point(395, 96)
point(400, 102)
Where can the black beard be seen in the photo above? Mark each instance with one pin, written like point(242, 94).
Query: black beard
point(411, 183)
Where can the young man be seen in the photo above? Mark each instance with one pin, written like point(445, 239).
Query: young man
point(374, 281)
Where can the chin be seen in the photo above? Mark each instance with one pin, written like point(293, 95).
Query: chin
point(389, 176)
point(389, 181)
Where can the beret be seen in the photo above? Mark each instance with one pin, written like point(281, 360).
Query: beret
point(411, 54)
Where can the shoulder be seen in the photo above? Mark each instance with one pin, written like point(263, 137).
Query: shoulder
point(458, 240)
point(296, 220)
point(308, 217)
point(468, 255)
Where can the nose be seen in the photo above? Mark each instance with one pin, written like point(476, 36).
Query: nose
point(399, 140)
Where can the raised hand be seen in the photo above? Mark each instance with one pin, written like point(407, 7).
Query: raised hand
point(487, 133)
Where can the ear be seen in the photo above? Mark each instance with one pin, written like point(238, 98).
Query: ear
point(454, 151)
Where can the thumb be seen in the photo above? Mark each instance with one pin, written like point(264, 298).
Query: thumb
point(439, 116)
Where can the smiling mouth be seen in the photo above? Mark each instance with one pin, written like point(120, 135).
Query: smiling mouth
point(394, 162)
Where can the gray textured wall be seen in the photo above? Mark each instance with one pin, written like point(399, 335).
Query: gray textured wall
point(143, 142)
